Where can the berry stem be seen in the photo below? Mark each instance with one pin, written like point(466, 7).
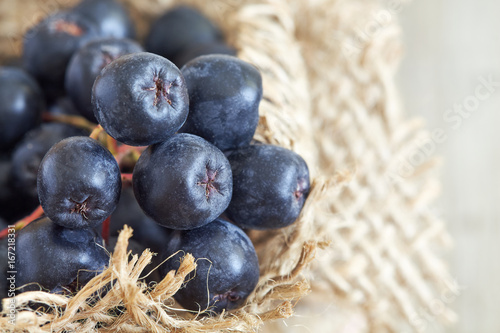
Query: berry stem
point(76, 121)
point(38, 212)
point(106, 140)
point(105, 230)
point(133, 152)
point(96, 132)
point(111, 145)
point(127, 177)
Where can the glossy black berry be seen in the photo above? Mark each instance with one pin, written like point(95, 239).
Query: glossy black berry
point(224, 97)
point(79, 183)
point(227, 266)
point(183, 183)
point(54, 257)
point(178, 29)
point(140, 99)
point(198, 50)
point(110, 16)
point(28, 154)
point(49, 45)
point(18, 171)
point(87, 63)
point(21, 107)
point(270, 186)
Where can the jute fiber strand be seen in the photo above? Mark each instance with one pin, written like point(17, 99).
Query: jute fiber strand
point(339, 110)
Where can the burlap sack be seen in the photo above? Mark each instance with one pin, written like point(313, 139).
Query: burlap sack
point(329, 94)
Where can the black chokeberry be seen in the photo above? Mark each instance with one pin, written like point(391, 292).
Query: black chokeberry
point(227, 266)
point(224, 97)
point(110, 16)
point(140, 99)
point(21, 107)
point(270, 186)
point(87, 63)
point(53, 257)
point(198, 50)
point(183, 183)
point(49, 45)
point(178, 29)
point(79, 183)
point(28, 154)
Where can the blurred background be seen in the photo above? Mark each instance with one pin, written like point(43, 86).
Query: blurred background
point(451, 52)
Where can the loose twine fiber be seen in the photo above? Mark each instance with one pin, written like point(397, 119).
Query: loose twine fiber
point(329, 94)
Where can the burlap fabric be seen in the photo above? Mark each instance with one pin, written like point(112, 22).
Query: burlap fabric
point(329, 94)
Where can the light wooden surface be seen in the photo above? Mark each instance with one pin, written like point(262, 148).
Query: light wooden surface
point(449, 45)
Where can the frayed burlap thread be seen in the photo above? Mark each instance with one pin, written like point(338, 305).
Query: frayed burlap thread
point(139, 309)
point(329, 94)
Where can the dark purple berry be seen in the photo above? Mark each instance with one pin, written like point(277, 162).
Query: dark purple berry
point(198, 50)
point(18, 174)
point(21, 107)
point(79, 183)
point(54, 257)
point(224, 96)
point(270, 186)
point(227, 266)
point(140, 99)
point(178, 29)
point(87, 63)
point(183, 183)
point(49, 45)
point(110, 16)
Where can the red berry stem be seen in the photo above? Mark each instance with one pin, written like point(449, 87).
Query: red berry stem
point(23, 222)
point(137, 151)
point(127, 178)
point(105, 230)
point(128, 154)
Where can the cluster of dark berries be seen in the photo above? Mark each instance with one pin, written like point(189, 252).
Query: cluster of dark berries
point(179, 165)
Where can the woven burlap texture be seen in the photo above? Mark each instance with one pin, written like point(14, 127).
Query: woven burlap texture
point(329, 94)
point(385, 262)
